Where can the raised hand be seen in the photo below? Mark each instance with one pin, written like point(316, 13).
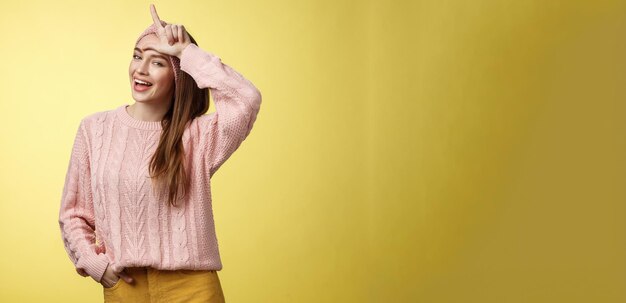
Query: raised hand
point(173, 37)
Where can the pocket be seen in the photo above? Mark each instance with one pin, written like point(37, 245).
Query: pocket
point(116, 285)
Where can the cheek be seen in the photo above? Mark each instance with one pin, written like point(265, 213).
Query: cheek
point(165, 81)
point(132, 67)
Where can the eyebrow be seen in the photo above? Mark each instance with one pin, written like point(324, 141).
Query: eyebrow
point(152, 49)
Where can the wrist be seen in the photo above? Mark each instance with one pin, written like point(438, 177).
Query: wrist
point(180, 54)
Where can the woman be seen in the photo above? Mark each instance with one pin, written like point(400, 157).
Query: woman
point(136, 211)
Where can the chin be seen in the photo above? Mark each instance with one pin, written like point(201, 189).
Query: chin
point(140, 98)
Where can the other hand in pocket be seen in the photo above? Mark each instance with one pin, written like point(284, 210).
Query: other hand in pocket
point(110, 278)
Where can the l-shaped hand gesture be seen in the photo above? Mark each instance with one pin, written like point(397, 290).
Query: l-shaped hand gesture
point(173, 37)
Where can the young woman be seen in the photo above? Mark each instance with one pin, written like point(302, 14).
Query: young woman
point(136, 212)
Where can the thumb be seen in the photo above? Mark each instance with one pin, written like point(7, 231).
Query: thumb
point(126, 277)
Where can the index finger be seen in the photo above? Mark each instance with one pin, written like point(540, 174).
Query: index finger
point(155, 17)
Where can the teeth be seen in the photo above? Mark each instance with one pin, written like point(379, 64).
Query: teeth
point(142, 82)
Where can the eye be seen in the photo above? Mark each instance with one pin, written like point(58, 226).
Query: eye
point(158, 63)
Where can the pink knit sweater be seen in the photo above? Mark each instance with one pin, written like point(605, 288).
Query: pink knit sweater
point(109, 215)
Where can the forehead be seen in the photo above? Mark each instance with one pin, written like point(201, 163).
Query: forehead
point(147, 43)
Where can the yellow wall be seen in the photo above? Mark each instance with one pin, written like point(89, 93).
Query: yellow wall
point(407, 151)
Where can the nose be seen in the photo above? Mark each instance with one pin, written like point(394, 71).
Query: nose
point(142, 68)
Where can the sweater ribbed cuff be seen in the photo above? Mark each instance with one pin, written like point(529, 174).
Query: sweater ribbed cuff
point(193, 60)
point(94, 265)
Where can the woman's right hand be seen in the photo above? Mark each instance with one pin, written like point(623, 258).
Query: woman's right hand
point(109, 278)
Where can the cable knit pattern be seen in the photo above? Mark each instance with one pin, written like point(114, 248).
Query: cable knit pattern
point(110, 215)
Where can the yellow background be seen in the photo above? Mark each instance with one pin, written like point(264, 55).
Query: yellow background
point(406, 151)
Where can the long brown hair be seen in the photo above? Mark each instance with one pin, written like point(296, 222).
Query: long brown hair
point(167, 166)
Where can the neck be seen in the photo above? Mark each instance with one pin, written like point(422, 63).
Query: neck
point(151, 112)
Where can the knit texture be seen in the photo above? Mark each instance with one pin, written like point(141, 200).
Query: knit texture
point(109, 214)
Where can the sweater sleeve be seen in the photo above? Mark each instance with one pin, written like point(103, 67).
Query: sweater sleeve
point(237, 102)
point(76, 214)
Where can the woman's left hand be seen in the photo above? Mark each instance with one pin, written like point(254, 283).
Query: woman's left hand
point(173, 37)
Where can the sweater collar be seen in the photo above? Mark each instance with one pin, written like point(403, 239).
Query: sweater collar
point(127, 119)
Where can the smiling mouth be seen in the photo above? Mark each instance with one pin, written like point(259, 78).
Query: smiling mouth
point(140, 87)
point(141, 82)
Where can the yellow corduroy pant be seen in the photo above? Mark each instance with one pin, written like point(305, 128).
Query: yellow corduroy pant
point(156, 286)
